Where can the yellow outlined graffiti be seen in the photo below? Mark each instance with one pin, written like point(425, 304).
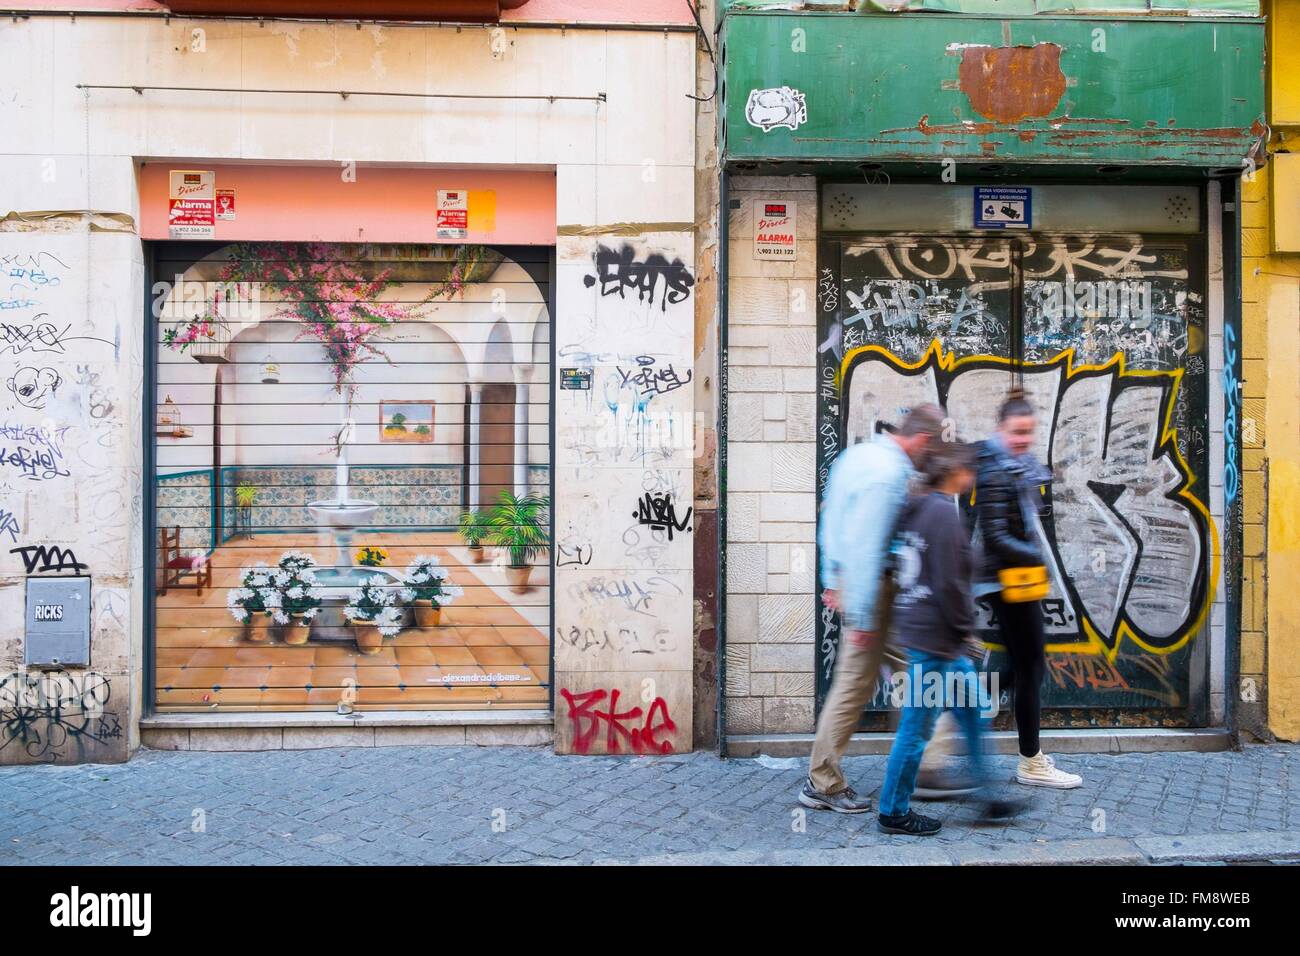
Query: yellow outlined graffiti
point(948, 363)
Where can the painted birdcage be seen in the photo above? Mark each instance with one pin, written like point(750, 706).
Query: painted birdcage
point(169, 420)
point(203, 330)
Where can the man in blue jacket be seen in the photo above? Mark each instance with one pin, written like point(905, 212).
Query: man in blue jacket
point(864, 497)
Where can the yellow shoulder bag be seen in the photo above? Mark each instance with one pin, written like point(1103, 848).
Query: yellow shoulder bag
point(1020, 585)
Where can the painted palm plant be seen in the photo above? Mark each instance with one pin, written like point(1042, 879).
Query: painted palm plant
point(519, 526)
point(473, 529)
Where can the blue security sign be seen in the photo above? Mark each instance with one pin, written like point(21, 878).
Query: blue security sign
point(1004, 207)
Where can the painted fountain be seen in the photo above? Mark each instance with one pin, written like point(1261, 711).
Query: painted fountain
point(341, 517)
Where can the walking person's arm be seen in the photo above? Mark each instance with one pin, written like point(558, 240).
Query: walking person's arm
point(836, 500)
point(868, 525)
point(955, 561)
point(996, 499)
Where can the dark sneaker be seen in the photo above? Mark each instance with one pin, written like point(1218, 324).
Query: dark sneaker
point(910, 823)
point(846, 801)
point(943, 785)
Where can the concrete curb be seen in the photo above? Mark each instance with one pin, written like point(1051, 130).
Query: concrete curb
point(1253, 846)
point(1057, 741)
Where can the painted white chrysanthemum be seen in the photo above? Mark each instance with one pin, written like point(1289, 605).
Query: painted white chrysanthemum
point(389, 621)
point(310, 614)
point(279, 617)
point(297, 560)
point(296, 591)
point(239, 614)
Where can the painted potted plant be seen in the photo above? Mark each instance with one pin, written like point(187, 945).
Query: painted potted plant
point(431, 589)
point(518, 525)
point(248, 603)
point(473, 528)
point(375, 612)
point(245, 498)
point(371, 557)
point(300, 597)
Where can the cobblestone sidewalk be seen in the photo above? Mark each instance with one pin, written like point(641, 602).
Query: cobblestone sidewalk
point(519, 805)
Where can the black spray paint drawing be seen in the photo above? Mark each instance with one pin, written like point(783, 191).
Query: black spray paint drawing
point(56, 715)
point(653, 381)
point(33, 386)
point(657, 512)
point(42, 559)
point(618, 270)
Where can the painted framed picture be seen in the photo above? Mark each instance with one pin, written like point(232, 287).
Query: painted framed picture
point(406, 422)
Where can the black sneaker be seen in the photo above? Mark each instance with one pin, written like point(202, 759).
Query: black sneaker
point(943, 785)
point(910, 823)
point(846, 801)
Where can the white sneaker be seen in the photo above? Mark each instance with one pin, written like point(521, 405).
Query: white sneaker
point(1040, 771)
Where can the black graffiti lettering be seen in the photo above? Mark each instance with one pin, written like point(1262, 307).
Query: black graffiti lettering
point(40, 558)
point(618, 271)
point(652, 381)
point(658, 513)
point(46, 714)
point(1054, 614)
point(38, 337)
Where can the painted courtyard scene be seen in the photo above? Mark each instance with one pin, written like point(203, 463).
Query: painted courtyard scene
point(353, 488)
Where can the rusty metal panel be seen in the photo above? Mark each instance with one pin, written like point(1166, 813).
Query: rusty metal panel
point(1148, 91)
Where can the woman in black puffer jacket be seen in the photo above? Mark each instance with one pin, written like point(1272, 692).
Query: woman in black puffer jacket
point(1008, 507)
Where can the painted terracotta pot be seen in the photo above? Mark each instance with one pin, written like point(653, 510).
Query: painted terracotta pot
point(427, 614)
point(297, 631)
point(369, 640)
point(518, 578)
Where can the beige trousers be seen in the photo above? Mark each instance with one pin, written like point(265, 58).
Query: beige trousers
point(857, 671)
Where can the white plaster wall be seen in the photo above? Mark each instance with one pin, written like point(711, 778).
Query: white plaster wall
point(85, 494)
point(623, 167)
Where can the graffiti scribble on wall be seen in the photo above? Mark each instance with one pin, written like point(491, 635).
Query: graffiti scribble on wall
point(1110, 335)
point(1126, 531)
point(56, 715)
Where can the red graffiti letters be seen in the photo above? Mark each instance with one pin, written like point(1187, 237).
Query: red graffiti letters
point(587, 721)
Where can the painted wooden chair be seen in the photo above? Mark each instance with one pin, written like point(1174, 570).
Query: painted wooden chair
point(177, 567)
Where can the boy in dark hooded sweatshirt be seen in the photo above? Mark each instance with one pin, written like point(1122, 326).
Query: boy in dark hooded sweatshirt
point(934, 620)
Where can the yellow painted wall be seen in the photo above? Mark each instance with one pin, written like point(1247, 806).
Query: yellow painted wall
point(1270, 649)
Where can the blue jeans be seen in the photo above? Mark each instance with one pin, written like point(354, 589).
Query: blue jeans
point(919, 715)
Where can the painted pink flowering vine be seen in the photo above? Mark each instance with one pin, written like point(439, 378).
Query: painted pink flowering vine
point(336, 302)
